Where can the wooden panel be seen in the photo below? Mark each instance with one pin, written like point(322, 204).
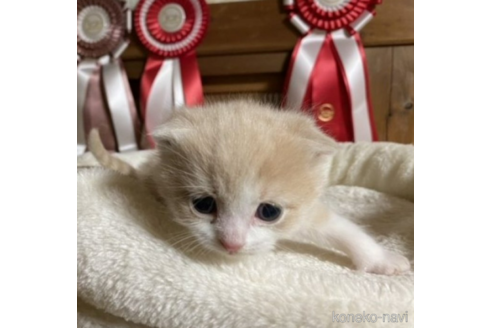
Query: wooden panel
point(275, 62)
point(380, 67)
point(264, 73)
point(393, 24)
point(262, 26)
point(400, 122)
point(262, 83)
point(227, 65)
point(275, 99)
point(134, 68)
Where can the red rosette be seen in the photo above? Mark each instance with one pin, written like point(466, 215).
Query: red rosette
point(100, 27)
point(332, 15)
point(171, 28)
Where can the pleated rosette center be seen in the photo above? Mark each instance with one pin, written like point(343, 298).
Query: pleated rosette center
point(331, 15)
point(170, 28)
point(100, 27)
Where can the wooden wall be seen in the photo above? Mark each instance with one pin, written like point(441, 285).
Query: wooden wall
point(248, 47)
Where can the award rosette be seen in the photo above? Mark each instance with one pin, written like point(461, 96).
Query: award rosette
point(104, 98)
point(170, 30)
point(328, 71)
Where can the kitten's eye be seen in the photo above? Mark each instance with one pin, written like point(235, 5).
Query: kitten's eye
point(268, 212)
point(205, 205)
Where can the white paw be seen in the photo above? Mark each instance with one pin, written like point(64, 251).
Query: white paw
point(387, 263)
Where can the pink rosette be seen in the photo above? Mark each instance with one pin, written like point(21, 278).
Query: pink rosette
point(100, 27)
point(104, 99)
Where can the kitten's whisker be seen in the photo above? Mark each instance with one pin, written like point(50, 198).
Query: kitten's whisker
point(179, 237)
point(284, 248)
point(186, 238)
point(198, 244)
point(192, 245)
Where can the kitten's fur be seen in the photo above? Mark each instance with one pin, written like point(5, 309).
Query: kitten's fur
point(242, 154)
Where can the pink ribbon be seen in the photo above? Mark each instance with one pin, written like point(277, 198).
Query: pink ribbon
point(107, 105)
point(104, 98)
point(96, 114)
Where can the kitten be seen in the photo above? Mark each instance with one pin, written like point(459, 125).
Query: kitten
point(242, 176)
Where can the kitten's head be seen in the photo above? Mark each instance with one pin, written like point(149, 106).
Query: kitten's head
point(241, 175)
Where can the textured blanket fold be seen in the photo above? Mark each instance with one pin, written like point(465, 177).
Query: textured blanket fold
point(133, 273)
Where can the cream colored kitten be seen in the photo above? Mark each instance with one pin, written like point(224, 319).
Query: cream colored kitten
point(242, 176)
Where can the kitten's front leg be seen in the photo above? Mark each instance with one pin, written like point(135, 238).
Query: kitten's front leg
point(364, 251)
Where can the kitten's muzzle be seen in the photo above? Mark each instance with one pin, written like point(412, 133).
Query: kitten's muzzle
point(231, 247)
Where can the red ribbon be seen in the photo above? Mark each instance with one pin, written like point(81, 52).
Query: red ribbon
point(192, 81)
point(171, 77)
point(328, 86)
point(189, 71)
point(152, 67)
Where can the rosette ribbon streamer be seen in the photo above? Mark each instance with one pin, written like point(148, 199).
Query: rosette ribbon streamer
point(104, 98)
point(170, 30)
point(328, 71)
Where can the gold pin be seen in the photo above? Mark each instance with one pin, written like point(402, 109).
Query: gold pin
point(326, 112)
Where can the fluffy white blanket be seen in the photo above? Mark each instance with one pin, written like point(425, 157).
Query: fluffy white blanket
point(130, 274)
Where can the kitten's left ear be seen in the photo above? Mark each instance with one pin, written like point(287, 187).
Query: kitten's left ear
point(323, 149)
point(322, 144)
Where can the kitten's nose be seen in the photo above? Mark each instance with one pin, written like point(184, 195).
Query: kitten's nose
point(231, 247)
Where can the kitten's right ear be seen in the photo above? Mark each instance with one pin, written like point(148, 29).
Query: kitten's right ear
point(170, 134)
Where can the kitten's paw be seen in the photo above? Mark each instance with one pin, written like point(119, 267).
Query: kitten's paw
point(389, 263)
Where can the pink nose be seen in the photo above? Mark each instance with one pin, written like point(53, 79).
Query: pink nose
point(231, 247)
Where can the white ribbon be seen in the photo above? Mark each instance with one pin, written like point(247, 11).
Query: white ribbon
point(84, 72)
point(166, 94)
point(178, 92)
point(129, 20)
point(119, 106)
point(300, 24)
point(362, 21)
point(305, 60)
point(121, 48)
point(353, 65)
